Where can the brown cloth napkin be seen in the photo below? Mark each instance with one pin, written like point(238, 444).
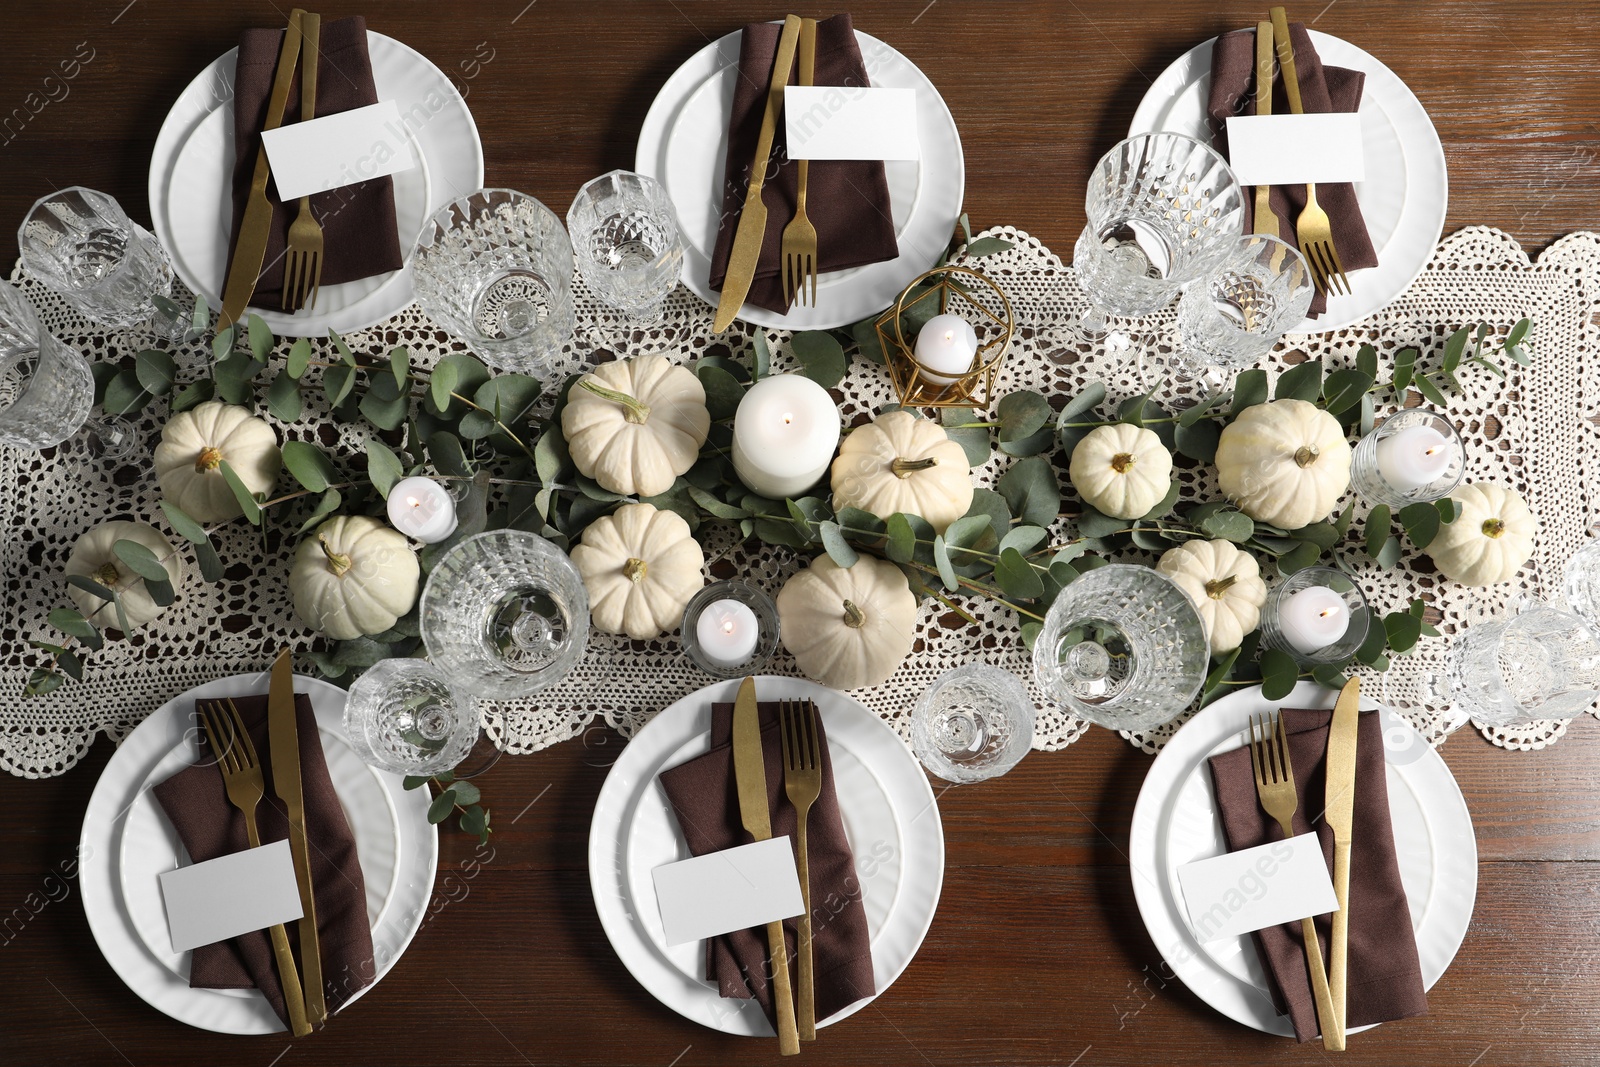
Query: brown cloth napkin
point(209, 826)
point(846, 200)
point(358, 227)
point(1322, 90)
point(704, 793)
point(1384, 977)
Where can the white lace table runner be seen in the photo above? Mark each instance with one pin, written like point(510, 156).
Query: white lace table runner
point(1542, 442)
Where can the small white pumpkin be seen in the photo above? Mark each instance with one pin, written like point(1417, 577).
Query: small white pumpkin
point(1121, 470)
point(1225, 585)
point(94, 556)
point(195, 444)
point(641, 567)
point(635, 425)
point(1285, 462)
point(899, 462)
point(1489, 541)
point(847, 628)
point(354, 576)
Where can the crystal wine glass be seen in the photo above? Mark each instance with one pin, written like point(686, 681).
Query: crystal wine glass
point(81, 244)
point(625, 239)
point(1542, 663)
point(1230, 318)
point(406, 716)
point(46, 389)
point(974, 722)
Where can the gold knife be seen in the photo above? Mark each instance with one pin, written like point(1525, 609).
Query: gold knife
point(283, 732)
point(1265, 219)
point(250, 243)
point(753, 215)
point(1338, 812)
point(750, 772)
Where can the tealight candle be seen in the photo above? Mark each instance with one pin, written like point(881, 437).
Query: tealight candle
point(1414, 457)
point(1314, 618)
point(422, 509)
point(727, 631)
point(947, 344)
point(784, 435)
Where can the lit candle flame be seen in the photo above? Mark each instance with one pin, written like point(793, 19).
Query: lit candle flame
point(787, 418)
point(413, 501)
point(949, 335)
point(727, 626)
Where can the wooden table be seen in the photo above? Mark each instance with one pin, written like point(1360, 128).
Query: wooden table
point(1037, 954)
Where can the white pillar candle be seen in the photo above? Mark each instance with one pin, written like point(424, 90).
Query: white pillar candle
point(949, 344)
point(784, 435)
point(1414, 457)
point(1314, 618)
point(422, 509)
point(727, 632)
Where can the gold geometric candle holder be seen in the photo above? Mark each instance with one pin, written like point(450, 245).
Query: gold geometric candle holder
point(959, 291)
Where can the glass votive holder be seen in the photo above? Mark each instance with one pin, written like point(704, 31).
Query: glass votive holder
point(973, 723)
point(730, 629)
point(1318, 615)
point(406, 716)
point(1580, 582)
point(1413, 458)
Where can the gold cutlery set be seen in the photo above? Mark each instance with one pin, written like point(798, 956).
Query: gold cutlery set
point(1274, 775)
point(802, 782)
point(303, 269)
point(243, 779)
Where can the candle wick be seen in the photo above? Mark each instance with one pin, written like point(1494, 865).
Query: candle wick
point(727, 627)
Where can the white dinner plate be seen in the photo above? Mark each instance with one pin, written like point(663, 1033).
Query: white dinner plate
point(191, 175)
point(1175, 822)
point(890, 819)
point(683, 144)
point(128, 842)
point(1403, 199)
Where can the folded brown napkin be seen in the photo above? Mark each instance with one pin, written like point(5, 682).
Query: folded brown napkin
point(704, 794)
point(1323, 90)
point(358, 227)
point(846, 200)
point(1384, 976)
point(209, 826)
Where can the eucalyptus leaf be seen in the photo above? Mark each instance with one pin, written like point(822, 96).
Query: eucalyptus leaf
point(1344, 389)
point(140, 560)
point(156, 371)
point(1022, 414)
point(821, 357)
point(1389, 554)
point(1367, 361)
point(1199, 440)
point(761, 356)
point(283, 397)
point(1249, 389)
point(941, 560)
point(1430, 391)
point(71, 622)
point(1421, 523)
point(1024, 538)
point(1228, 525)
point(192, 395)
point(444, 449)
point(211, 568)
point(72, 664)
point(1303, 555)
point(385, 404)
point(1017, 578)
point(160, 592)
point(383, 466)
point(860, 524)
point(400, 365)
point(465, 374)
point(337, 383)
point(1378, 522)
point(904, 532)
point(716, 507)
point(992, 504)
point(987, 246)
point(1405, 368)
point(1031, 490)
point(1279, 674)
point(1449, 509)
point(1192, 415)
point(125, 394)
point(1095, 523)
point(309, 465)
point(261, 339)
point(723, 391)
point(1404, 630)
point(1329, 675)
point(41, 681)
point(974, 440)
point(185, 526)
point(441, 382)
point(1454, 347)
point(299, 357)
point(1321, 534)
point(1377, 639)
point(838, 549)
point(248, 504)
point(1300, 383)
point(442, 807)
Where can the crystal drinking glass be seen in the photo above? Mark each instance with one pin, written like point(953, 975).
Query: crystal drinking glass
point(406, 716)
point(46, 389)
point(495, 269)
point(625, 238)
point(1122, 646)
point(81, 244)
point(1231, 317)
point(1163, 210)
point(505, 614)
point(1580, 582)
point(974, 722)
point(1543, 663)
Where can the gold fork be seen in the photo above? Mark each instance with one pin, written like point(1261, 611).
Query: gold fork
point(1269, 758)
point(241, 775)
point(802, 780)
point(1313, 230)
point(800, 237)
point(303, 275)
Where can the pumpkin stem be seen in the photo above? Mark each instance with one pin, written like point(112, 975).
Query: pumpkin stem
point(853, 616)
point(107, 575)
point(1216, 587)
point(904, 468)
point(634, 410)
point(1122, 461)
point(1493, 527)
point(209, 459)
point(635, 569)
point(338, 562)
point(1306, 455)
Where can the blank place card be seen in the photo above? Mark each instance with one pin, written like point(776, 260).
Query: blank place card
point(1292, 149)
point(230, 895)
point(336, 150)
point(734, 889)
point(1257, 887)
point(850, 122)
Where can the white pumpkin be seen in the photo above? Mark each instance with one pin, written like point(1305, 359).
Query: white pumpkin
point(1225, 585)
point(1489, 541)
point(635, 425)
point(847, 628)
point(899, 462)
point(1121, 470)
point(94, 556)
point(641, 567)
point(194, 445)
point(1285, 462)
point(354, 576)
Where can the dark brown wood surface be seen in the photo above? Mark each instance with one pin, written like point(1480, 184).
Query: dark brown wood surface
point(1037, 954)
